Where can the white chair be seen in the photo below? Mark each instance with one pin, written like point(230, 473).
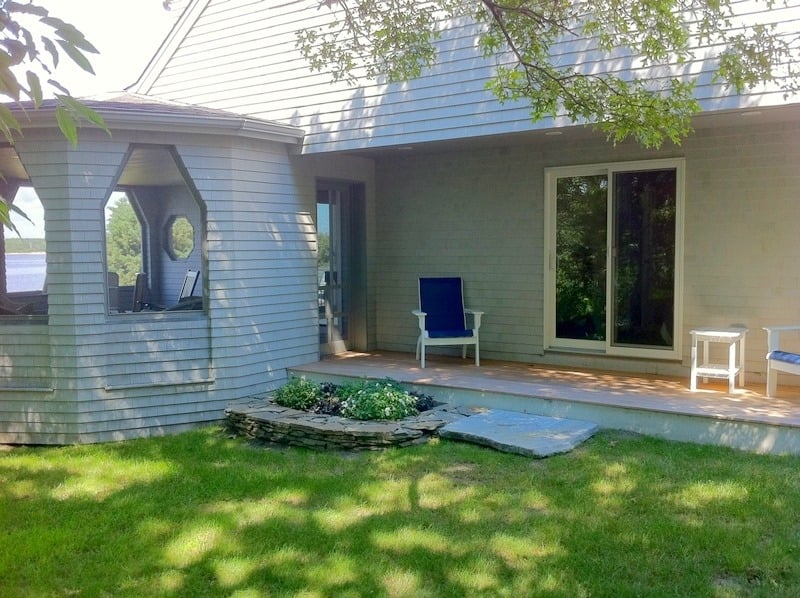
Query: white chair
point(777, 359)
point(442, 317)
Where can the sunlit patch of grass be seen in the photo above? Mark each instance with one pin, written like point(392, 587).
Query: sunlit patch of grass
point(407, 539)
point(520, 550)
point(192, 545)
point(334, 571)
point(401, 583)
point(478, 575)
point(388, 494)
point(337, 519)
point(703, 494)
point(232, 572)
point(170, 581)
point(83, 475)
point(438, 491)
point(286, 506)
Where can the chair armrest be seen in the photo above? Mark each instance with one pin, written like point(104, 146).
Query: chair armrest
point(774, 335)
point(476, 315)
point(421, 317)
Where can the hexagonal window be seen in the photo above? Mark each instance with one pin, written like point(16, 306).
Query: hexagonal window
point(180, 237)
point(150, 237)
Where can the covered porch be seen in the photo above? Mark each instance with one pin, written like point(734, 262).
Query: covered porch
point(659, 406)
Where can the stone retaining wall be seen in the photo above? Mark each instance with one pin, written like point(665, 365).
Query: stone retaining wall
point(261, 419)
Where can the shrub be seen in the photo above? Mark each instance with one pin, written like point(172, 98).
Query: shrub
point(327, 405)
point(357, 400)
point(376, 400)
point(298, 393)
point(424, 402)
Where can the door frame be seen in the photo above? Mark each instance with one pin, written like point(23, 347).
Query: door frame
point(350, 277)
point(550, 341)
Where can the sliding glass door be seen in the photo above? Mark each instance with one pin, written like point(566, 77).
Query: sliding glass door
point(613, 267)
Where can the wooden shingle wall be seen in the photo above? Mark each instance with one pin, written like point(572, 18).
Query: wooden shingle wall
point(92, 376)
point(241, 56)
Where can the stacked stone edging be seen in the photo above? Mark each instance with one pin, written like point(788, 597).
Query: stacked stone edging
point(259, 418)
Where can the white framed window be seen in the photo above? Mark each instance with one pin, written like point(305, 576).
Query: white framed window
point(613, 250)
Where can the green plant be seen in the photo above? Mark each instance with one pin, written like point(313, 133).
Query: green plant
point(377, 400)
point(298, 393)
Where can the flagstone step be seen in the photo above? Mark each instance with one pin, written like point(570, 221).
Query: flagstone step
point(520, 433)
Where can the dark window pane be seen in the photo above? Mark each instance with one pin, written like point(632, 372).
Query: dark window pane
point(644, 258)
point(581, 257)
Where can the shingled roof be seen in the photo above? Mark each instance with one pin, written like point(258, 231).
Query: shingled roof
point(125, 110)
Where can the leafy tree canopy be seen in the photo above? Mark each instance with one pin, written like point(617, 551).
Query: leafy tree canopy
point(396, 39)
point(33, 41)
point(124, 242)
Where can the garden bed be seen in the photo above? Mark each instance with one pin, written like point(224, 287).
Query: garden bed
point(261, 419)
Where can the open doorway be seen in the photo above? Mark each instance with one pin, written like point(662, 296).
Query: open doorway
point(341, 272)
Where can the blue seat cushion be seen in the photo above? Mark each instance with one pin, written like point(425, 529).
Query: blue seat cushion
point(449, 333)
point(785, 356)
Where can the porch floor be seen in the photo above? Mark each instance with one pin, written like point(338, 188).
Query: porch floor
point(657, 406)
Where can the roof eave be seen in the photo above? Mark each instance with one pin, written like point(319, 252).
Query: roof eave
point(172, 122)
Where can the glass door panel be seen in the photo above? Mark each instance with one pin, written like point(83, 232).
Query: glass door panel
point(333, 267)
point(643, 279)
point(580, 293)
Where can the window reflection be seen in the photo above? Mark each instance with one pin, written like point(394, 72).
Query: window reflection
point(24, 277)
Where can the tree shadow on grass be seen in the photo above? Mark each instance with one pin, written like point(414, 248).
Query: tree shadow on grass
point(203, 514)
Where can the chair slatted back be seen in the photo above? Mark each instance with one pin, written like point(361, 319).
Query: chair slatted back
point(139, 292)
point(442, 299)
point(189, 284)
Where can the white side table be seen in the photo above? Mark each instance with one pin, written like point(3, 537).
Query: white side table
point(706, 370)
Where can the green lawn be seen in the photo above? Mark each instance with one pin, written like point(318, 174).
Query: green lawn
point(201, 514)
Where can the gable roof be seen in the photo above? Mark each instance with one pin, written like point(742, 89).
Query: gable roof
point(181, 27)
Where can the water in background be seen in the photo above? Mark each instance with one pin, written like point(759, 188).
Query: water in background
point(25, 271)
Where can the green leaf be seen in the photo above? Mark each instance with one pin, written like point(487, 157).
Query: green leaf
point(81, 110)
point(58, 86)
point(76, 55)
point(30, 45)
point(5, 217)
point(70, 34)
point(16, 50)
point(9, 85)
point(27, 8)
point(35, 88)
point(67, 125)
point(51, 49)
point(17, 210)
point(8, 124)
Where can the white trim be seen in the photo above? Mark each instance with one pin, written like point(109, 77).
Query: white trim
point(606, 347)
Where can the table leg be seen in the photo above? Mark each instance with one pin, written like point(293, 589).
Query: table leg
point(693, 370)
point(705, 358)
point(741, 361)
point(731, 366)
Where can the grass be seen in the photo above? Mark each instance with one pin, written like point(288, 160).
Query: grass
point(200, 514)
